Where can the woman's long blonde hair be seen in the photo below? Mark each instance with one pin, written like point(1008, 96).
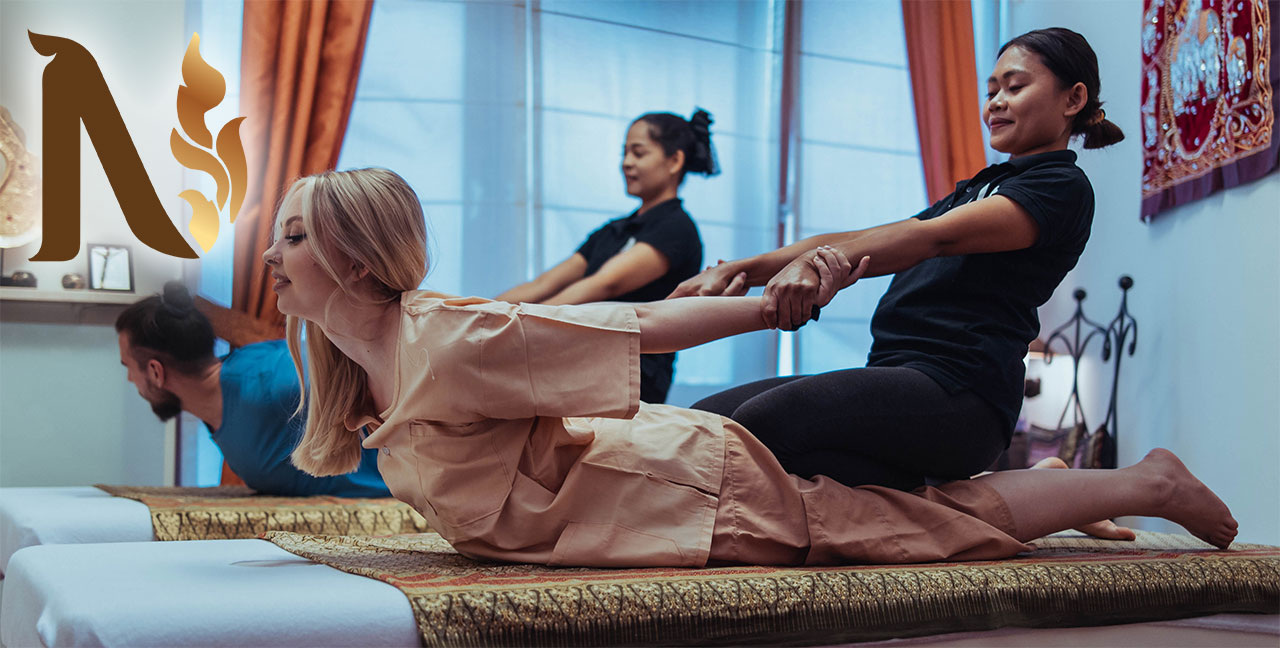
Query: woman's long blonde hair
point(372, 218)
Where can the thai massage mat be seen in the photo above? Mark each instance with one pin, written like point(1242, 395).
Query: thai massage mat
point(1067, 581)
point(231, 512)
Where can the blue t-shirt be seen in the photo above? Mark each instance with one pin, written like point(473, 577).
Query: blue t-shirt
point(259, 395)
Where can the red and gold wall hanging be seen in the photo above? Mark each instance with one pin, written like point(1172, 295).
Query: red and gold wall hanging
point(1208, 98)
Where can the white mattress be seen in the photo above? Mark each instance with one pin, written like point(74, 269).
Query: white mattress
point(195, 593)
point(68, 515)
point(252, 593)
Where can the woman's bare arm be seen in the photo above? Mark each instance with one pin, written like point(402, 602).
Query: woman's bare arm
point(620, 275)
point(548, 283)
point(675, 324)
point(995, 224)
point(756, 270)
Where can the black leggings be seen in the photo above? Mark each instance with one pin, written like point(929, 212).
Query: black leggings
point(888, 426)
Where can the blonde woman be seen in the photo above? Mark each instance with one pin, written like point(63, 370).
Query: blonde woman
point(518, 432)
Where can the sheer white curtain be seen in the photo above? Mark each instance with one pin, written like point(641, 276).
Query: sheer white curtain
point(219, 23)
point(508, 119)
point(990, 31)
point(859, 156)
point(441, 102)
point(601, 65)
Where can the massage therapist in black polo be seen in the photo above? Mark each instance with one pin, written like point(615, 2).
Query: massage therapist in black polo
point(644, 256)
point(943, 383)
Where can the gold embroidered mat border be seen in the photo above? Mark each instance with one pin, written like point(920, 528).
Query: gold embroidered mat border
point(1067, 581)
point(232, 512)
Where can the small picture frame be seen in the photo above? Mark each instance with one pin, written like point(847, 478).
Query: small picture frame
point(110, 267)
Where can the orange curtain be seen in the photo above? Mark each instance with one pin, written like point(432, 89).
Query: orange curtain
point(945, 85)
point(300, 61)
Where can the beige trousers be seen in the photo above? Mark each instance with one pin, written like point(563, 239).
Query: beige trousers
point(768, 517)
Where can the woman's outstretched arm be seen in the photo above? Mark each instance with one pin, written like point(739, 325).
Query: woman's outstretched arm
point(548, 283)
point(676, 324)
point(994, 224)
point(625, 272)
point(751, 271)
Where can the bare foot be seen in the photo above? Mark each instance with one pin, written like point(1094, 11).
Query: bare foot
point(1106, 529)
point(1185, 500)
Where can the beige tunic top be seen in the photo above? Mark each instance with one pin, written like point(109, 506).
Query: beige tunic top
point(518, 432)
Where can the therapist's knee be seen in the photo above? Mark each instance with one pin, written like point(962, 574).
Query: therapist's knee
point(766, 422)
point(968, 456)
point(716, 404)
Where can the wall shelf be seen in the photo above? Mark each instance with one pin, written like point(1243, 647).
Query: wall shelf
point(62, 296)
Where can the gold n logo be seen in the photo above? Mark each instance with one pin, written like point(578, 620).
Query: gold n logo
point(75, 92)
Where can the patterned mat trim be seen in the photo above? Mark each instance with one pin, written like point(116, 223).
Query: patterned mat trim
point(1067, 581)
point(233, 512)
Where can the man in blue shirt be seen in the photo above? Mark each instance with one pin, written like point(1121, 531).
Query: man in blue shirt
point(246, 398)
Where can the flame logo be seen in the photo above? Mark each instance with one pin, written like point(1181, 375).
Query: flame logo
point(205, 88)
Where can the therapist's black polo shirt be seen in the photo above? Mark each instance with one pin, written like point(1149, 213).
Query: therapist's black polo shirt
point(965, 321)
point(668, 228)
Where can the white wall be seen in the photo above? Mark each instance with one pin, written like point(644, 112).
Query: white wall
point(1205, 379)
point(67, 414)
point(138, 44)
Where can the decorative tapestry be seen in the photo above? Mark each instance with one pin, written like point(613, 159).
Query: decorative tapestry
point(1208, 98)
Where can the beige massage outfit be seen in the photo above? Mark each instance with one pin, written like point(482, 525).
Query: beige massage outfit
point(518, 432)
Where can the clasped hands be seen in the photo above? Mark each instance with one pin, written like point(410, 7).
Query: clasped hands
point(794, 295)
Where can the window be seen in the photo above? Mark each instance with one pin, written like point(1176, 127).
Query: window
point(508, 119)
point(859, 163)
point(219, 25)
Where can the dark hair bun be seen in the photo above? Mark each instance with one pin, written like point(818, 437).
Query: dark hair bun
point(701, 122)
point(702, 158)
point(177, 299)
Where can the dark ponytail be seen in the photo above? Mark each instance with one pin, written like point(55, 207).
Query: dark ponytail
point(693, 136)
point(169, 327)
point(1071, 59)
point(1101, 131)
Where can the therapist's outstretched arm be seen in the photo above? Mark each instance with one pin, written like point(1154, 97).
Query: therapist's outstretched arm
point(675, 324)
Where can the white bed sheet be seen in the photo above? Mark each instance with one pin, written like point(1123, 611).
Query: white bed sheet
point(194, 593)
point(252, 593)
point(68, 515)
